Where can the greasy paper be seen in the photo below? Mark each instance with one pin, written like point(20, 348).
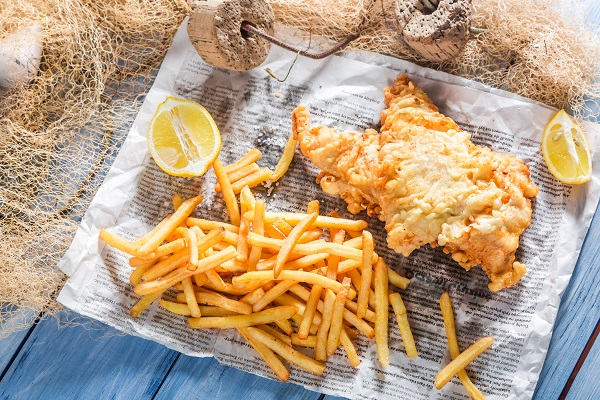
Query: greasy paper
point(253, 110)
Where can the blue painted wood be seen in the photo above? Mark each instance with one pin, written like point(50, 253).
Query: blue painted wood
point(205, 378)
point(11, 344)
point(587, 383)
point(77, 363)
point(577, 317)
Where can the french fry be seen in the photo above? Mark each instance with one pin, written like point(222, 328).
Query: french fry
point(333, 261)
point(207, 225)
point(239, 174)
point(162, 250)
point(462, 360)
point(144, 302)
point(214, 281)
point(258, 227)
point(285, 325)
point(381, 312)
point(300, 276)
point(163, 267)
point(335, 328)
point(138, 273)
point(321, 221)
point(263, 174)
point(135, 262)
point(402, 318)
point(190, 297)
point(287, 300)
point(309, 311)
point(299, 263)
point(369, 315)
point(252, 156)
point(291, 241)
point(349, 316)
point(253, 296)
point(272, 232)
point(235, 321)
point(322, 334)
point(367, 273)
point(275, 333)
point(348, 265)
point(176, 219)
point(200, 279)
point(192, 244)
point(242, 244)
point(230, 201)
point(269, 296)
point(267, 354)
point(448, 314)
point(309, 341)
point(357, 282)
point(287, 352)
point(397, 280)
point(313, 206)
point(286, 159)
point(349, 349)
point(280, 224)
point(181, 273)
point(131, 248)
point(177, 201)
point(176, 308)
point(247, 200)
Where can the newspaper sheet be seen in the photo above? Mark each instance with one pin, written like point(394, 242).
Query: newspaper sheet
point(253, 110)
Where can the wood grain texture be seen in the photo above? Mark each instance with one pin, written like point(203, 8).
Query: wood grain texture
point(76, 363)
point(11, 344)
point(587, 383)
point(577, 317)
point(205, 378)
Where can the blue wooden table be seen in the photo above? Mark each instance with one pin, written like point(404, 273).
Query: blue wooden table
point(85, 362)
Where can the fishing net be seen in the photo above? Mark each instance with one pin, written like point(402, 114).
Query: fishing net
point(60, 132)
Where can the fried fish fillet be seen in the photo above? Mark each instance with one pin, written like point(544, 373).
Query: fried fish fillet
point(428, 182)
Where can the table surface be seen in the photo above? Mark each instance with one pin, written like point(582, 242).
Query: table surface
point(82, 361)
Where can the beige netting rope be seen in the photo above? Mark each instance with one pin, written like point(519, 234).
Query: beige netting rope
point(59, 133)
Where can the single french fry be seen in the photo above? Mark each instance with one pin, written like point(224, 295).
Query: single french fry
point(242, 244)
point(252, 156)
point(462, 360)
point(285, 325)
point(178, 217)
point(267, 355)
point(397, 280)
point(309, 311)
point(403, 325)
point(321, 221)
point(190, 297)
point(177, 201)
point(230, 238)
point(299, 263)
point(448, 315)
point(192, 244)
point(300, 276)
point(369, 315)
point(275, 333)
point(233, 266)
point(310, 235)
point(135, 262)
point(367, 274)
point(144, 302)
point(337, 314)
point(230, 201)
point(216, 282)
point(205, 311)
point(247, 200)
point(272, 232)
point(349, 316)
point(200, 279)
point(280, 224)
point(254, 296)
point(162, 250)
point(381, 312)
point(258, 227)
point(286, 159)
point(175, 308)
point(207, 225)
point(349, 348)
point(181, 273)
point(309, 341)
point(269, 296)
point(333, 261)
point(291, 241)
point(348, 265)
point(263, 174)
point(313, 206)
point(239, 174)
point(138, 273)
point(352, 334)
point(322, 334)
point(235, 321)
point(133, 247)
point(287, 352)
point(211, 298)
point(355, 242)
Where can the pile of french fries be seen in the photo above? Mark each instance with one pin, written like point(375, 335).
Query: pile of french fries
point(272, 277)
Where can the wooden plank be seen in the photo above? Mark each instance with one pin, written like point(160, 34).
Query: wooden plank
point(191, 376)
point(587, 384)
point(11, 344)
point(579, 311)
point(76, 363)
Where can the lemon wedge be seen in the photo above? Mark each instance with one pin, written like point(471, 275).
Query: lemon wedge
point(566, 150)
point(183, 138)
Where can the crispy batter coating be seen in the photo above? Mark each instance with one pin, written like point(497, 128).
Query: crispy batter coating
point(428, 182)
